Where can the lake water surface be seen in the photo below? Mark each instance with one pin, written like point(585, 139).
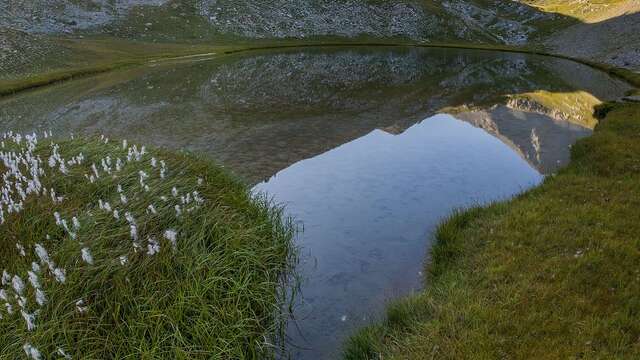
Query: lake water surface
point(368, 148)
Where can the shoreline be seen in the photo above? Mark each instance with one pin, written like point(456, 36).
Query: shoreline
point(13, 87)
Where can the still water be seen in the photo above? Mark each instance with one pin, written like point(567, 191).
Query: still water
point(368, 148)
point(369, 208)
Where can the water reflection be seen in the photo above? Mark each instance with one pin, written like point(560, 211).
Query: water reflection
point(338, 135)
point(369, 207)
point(261, 112)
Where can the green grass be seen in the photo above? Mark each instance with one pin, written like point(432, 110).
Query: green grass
point(216, 295)
point(552, 274)
point(90, 56)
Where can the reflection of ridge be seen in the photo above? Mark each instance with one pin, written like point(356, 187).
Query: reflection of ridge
point(394, 129)
point(538, 140)
point(259, 113)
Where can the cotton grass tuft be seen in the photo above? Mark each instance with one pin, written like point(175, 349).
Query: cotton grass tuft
point(90, 221)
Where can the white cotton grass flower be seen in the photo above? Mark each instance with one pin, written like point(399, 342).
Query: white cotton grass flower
point(86, 256)
point(80, 306)
point(21, 250)
point(32, 352)
point(123, 260)
point(42, 254)
point(153, 247)
point(6, 278)
point(41, 298)
point(95, 171)
point(133, 231)
point(197, 198)
point(22, 302)
point(76, 223)
point(163, 169)
point(174, 191)
point(30, 319)
point(200, 181)
point(35, 267)
point(17, 284)
point(33, 279)
point(152, 209)
point(143, 176)
point(172, 236)
point(129, 217)
point(178, 210)
point(63, 353)
point(60, 275)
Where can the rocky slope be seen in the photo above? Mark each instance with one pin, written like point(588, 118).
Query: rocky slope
point(426, 20)
point(614, 41)
point(605, 31)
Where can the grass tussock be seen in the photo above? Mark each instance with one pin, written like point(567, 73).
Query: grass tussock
point(114, 251)
point(551, 274)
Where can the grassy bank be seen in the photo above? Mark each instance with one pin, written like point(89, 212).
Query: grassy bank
point(116, 251)
point(551, 274)
point(90, 56)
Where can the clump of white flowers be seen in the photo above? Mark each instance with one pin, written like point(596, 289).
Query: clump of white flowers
point(24, 169)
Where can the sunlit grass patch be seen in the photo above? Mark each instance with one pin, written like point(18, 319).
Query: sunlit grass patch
point(585, 11)
point(575, 107)
point(551, 274)
point(111, 250)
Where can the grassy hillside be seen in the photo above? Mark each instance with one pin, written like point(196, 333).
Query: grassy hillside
point(66, 58)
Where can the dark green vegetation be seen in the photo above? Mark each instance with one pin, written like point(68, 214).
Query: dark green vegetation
point(551, 274)
point(213, 295)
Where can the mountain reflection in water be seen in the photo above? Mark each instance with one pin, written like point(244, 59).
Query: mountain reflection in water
point(260, 112)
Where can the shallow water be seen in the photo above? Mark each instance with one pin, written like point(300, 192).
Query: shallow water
point(369, 148)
